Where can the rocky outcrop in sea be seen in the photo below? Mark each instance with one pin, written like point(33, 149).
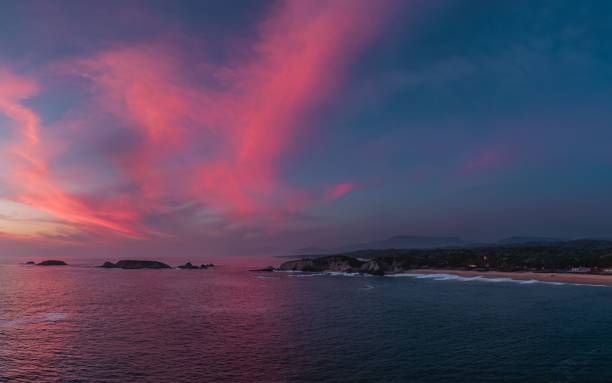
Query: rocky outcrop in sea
point(136, 264)
point(51, 262)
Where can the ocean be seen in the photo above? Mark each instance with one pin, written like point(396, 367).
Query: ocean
point(85, 324)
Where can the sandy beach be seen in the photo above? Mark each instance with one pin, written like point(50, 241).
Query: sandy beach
point(546, 277)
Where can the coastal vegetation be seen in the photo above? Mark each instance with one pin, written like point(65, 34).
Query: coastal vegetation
point(593, 256)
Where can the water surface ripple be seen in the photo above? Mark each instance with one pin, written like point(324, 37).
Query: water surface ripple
point(84, 324)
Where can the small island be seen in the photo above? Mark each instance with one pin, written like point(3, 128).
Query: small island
point(135, 264)
point(190, 266)
point(581, 261)
point(50, 262)
point(140, 264)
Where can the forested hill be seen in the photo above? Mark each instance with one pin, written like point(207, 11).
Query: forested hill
point(538, 257)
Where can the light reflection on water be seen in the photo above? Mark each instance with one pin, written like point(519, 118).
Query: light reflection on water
point(228, 324)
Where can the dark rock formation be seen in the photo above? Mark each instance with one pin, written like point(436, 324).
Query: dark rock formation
point(188, 265)
point(52, 262)
point(135, 264)
point(30, 263)
point(109, 265)
point(339, 263)
point(206, 266)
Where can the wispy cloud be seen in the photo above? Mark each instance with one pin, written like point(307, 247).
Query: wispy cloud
point(31, 179)
point(201, 134)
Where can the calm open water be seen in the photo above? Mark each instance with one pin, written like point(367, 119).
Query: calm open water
point(84, 324)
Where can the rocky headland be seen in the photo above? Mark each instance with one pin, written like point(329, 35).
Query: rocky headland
point(581, 256)
point(339, 263)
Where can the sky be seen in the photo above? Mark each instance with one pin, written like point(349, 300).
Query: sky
point(259, 127)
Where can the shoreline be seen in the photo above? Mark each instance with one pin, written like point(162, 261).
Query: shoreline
point(589, 279)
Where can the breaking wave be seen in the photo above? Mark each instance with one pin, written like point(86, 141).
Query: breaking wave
point(479, 278)
point(443, 277)
point(298, 274)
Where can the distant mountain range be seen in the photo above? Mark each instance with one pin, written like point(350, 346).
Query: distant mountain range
point(528, 240)
point(428, 242)
point(396, 242)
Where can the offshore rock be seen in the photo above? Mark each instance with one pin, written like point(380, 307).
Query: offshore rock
point(346, 264)
point(137, 264)
point(188, 265)
point(52, 262)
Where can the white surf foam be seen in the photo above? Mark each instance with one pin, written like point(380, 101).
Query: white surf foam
point(304, 275)
point(480, 278)
point(265, 277)
point(327, 274)
point(444, 277)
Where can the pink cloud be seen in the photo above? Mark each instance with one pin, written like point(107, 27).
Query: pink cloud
point(222, 145)
point(489, 159)
point(338, 191)
point(33, 181)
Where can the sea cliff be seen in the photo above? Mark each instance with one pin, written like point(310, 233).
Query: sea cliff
point(346, 264)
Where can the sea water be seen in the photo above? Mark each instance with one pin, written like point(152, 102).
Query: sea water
point(86, 324)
